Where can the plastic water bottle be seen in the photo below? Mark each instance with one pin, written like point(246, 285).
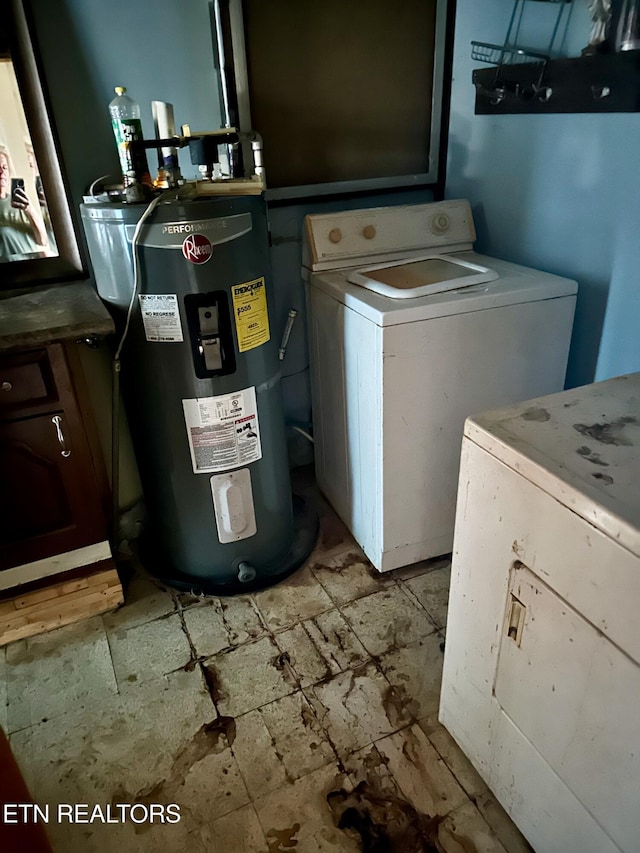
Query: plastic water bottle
point(127, 128)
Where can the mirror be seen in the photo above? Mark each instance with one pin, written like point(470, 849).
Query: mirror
point(38, 243)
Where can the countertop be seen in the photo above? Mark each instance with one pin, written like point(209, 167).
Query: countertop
point(58, 312)
point(581, 446)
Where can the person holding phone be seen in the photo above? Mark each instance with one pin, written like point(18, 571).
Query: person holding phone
point(42, 201)
point(22, 230)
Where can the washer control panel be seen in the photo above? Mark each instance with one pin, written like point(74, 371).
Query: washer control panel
point(356, 237)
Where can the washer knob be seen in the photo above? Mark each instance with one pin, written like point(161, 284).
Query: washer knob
point(369, 232)
point(440, 223)
point(335, 235)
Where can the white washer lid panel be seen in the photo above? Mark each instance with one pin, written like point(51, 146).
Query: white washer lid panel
point(422, 276)
point(514, 285)
point(580, 446)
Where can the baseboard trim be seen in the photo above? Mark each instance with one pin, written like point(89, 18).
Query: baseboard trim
point(55, 565)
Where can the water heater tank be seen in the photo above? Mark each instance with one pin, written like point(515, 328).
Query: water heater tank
point(201, 382)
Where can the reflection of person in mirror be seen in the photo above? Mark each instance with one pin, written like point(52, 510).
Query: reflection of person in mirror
point(22, 230)
point(42, 201)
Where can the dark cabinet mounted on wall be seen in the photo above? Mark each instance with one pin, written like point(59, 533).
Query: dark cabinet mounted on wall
point(602, 83)
point(522, 80)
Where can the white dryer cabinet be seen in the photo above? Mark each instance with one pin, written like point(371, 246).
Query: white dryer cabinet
point(541, 684)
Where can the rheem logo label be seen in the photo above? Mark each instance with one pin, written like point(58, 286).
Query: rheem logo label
point(197, 248)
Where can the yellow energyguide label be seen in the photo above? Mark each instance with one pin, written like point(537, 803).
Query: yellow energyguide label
point(250, 312)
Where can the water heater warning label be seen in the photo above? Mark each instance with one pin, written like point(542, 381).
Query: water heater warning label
point(250, 312)
point(161, 317)
point(223, 431)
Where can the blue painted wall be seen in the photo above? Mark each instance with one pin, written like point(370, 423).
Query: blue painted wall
point(557, 192)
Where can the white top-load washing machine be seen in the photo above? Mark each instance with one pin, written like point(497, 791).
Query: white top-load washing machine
point(541, 681)
point(410, 332)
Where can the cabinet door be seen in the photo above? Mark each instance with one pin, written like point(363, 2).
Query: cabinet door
point(49, 502)
point(573, 694)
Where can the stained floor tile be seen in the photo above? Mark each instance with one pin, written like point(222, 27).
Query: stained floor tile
point(432, 591)
point(369, 765)
point(250, 676)
point(321, 647)
point(279, 743)
point(415, 671)
point(383, 819)
point(297, 735)
point(145, 599)
point(307, 662)
point(349, 576)
point(298, 817)
point(387, 620)
point(218, 624)
point(505, 830)
point(298, 597)
point(238, 831)
point(420, 773)
point(357, 708)
point(258, 757)
point(53, 673)
point(465, 829)
point(119, 755)
point(173, 838)
point(446, 747)
point(147, 651)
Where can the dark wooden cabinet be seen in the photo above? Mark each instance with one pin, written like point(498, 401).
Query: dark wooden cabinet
point(52, 496)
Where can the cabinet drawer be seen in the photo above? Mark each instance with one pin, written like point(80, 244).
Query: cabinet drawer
point(26, 379)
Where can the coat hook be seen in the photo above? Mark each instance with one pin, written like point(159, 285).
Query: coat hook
point(542, 93)
point(600, 92)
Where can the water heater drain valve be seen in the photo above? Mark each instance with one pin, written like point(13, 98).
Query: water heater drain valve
point(246, 573)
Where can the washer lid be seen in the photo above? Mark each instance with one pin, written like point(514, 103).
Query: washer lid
point(581, 446)
point(511, 285)
point(422, 276)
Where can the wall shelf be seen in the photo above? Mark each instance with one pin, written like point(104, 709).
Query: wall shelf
point(601, 83)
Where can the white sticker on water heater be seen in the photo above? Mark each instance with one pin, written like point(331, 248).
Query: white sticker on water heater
point(223, 431)
point(161, 317)
point(233, 505)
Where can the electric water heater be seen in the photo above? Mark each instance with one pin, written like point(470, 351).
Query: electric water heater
point(201, 383)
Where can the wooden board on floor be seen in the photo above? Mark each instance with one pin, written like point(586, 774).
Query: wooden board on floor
point(58, 604)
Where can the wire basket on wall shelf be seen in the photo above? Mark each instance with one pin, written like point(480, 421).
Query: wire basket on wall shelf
point(496, 54)
point(510, 53)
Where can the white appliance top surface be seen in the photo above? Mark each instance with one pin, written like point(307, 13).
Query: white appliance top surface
point(514, 285)
point(580, 446)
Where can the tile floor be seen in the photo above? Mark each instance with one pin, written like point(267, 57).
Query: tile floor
point(301, 718)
